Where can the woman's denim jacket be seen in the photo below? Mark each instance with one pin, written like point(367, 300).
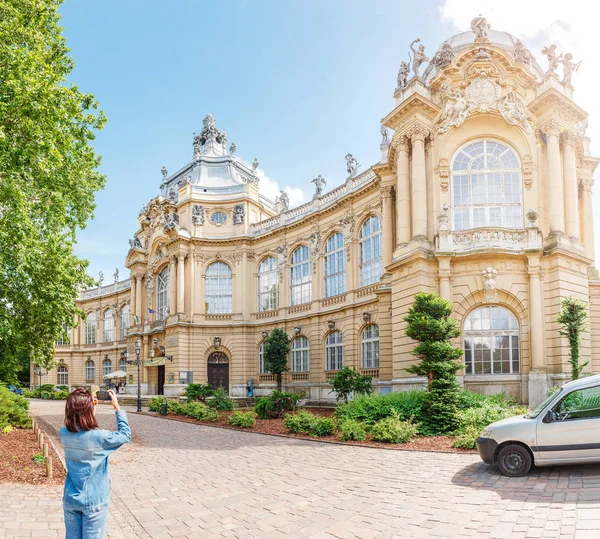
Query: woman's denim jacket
point(86, 453)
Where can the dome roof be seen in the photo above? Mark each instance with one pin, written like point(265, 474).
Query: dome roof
point(501, 40)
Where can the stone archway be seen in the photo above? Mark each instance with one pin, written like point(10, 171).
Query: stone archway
point(218, 370)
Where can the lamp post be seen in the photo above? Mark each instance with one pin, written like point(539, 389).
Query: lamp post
point(138, 348)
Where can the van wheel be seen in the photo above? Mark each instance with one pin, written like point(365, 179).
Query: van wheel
point(514, 460)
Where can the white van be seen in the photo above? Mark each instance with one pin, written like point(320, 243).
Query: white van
point(564, 429)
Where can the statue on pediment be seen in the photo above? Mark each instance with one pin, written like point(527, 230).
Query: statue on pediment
point(403, 75)
point(444, 56)
point(135, 243)
point(282, 202)
point(568, 67)
point(419, 56)
point(385, 138)
point(521, 53)
point(455, 111)
point(351, 165)
point(480, 27)
point(550, 53)
point(319, 182)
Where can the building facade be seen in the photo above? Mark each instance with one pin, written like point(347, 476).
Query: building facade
point(483, 194)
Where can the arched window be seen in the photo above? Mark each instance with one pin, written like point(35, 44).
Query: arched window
point(491, 341)
point(370, 347)
point(268, 285)
point(335, 266)
point(219, 288)
point(124, 322)
point(300, 355)
point(108, 326)
point(300, 287)
point(62, 376)
point(486, 187)
point(370, 264)
point(90, 370)
point(334, 351)
point(90, 329)
point(123, 365)
point(106, 367)
point(163, 293)
point(261, 359)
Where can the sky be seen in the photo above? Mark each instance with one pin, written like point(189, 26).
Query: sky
point(296, 84)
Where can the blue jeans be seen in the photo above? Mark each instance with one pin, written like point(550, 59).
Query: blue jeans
point(87, 524)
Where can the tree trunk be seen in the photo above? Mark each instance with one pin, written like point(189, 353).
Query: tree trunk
point(279, 381)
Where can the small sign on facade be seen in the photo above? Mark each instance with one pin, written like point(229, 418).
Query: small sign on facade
point(172, 341)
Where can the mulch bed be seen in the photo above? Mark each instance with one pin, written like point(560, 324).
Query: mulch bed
point(17, 449)
point(275, 427)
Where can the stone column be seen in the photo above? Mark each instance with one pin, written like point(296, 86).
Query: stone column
point(538, 384)
point(388, 232)
point(192, 294)
point(555, 189)
point(133, 302)
point(445, 274)
point(180, 283)
point(138, 295)
point(570, 186)
point(418, 184)
point(586, 185)
point(172, 285)
point(402, 193)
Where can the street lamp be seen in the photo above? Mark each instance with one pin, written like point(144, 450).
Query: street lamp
point(136, 361)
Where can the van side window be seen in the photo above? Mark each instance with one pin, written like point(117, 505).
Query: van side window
point(580, 404)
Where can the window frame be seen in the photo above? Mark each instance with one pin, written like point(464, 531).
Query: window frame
point(163, 293)
point(334, 351)
point(91, 322)
point(369, 346)
point(106, 363)
point(370, 267)
point(124, 322)
point(334, 265)
point(61, 373)
point(300, 355)
point(300, 276)
point(90, 365)
point(218, 292)
point(268, 276)
point(108, 326)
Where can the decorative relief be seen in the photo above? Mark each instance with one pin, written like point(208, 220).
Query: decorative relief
point(489, 275)
point(282, 252)
point(135, 243)
point(234, 257)
point(315, 247)
point(385, 192)
point(348, 230)
point(488, 236)
point(514, 112)
point(483, 93)
point(444, 172)
point(239, 214)
point(198, 215)
point(418, 132)
point(160, 254)
point(527, 171)
point(455, 111)
point(521, 53)
point(444, 56)
point(586, 185)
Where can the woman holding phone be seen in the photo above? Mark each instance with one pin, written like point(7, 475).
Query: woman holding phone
point(87, 448)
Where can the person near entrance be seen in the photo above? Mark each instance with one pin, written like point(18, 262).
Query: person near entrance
point(87, 449)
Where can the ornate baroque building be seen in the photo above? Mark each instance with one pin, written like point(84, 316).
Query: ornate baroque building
point(483, 194)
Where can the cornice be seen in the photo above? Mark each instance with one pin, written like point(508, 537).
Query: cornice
point(411, 105)
point(559, 105)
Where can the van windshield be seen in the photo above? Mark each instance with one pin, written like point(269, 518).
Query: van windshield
point(538, 410)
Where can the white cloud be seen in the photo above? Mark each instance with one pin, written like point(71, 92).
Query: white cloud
point(270, 188)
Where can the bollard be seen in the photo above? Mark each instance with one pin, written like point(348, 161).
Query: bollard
point(45, 450)
point(41, 439)
point(49, 467)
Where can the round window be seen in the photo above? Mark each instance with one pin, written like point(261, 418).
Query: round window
point(218, 218)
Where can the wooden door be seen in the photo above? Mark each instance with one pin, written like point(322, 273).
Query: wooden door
point(161, 380)
point(218, 370)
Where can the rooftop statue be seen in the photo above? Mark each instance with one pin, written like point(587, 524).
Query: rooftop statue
point(582, 127)
point(116, 275)
point(521, 53)
point(480, 27)
point(254, 165)
point(455, 111)
point(100, 278)
point(351, 165)
point(232, 148)
point(135, 243)
point(385, 140)
point(164, 172)
point(568, 67)
point(319, 182)
point(444, 56)
point(403, 74)
point(419, 56)
point(282, 202)
point(550, 53)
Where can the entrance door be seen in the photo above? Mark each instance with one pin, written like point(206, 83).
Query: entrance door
point(218, 370)
point(161, 380)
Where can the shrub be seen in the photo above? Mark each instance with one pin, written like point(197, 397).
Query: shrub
point(311, 424)
point(221, 401)
point(347, 381)
point(392, 430)
point(468, 439)
point(244, 420)
point(353, 430)
point(372, 408)
point(199, 411)
point(13, 410)
point(322, 426)
point(199, 392)
point(38, 458)
point(470, 399)
point(276, 404)
point(173, 407)
point(155, 402)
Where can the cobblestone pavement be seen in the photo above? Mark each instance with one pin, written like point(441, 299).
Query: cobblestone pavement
point(182, 480)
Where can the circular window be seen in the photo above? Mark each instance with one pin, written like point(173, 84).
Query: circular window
point(218, 218)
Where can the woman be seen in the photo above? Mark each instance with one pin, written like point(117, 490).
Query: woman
point(87, 448)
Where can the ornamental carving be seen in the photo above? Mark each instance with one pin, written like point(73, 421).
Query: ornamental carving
point(521, 53)
point(198, 214)
point(315, 247)
point(586, 185)
point(385, 191)
point(160, 254)
point(239, 214)
point(527, 171)
point(444, 172)
point(480, 27)
point(456, 110)
point(483, 93)
point(444, 56)
point(514, 112)
point(348, 230)
point(489, 275)
point(417, 132)
point(281, 252)
point(135, 243)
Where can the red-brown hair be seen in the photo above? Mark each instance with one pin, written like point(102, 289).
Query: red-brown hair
point(79, 411)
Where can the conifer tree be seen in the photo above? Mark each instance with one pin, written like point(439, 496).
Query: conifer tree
point(573, 319)
point(277, 348)
point(429, 322)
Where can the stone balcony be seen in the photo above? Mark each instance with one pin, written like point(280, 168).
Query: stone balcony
point(488, 239)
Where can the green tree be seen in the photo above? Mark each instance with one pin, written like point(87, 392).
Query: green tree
point(48, 181)
point(430, 323)
point(573, 320)
point(349, 380)
point(277, 348)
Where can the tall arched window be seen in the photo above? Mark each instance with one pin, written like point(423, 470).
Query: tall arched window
point(106, 367)
point(370, 347)
point(491, 341)
point(90, 370)
point(90, 329)
point(486, 187)
point(261, 359)
point(335, 266)
point(334, 351)
point(123, 365)
point(268, 285)
point(300, 355)
point(219, 288)
point(162, 293)
point(62, 376)
point(301, 275)
point(124, 322)
point(370, 264)
point(108, 326)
